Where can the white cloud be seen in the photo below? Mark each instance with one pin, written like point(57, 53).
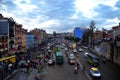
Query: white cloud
point(56, 16)
point(87, 6)
point(115, 20)
point(25, 7)
point(50, 23)
point(110, 23)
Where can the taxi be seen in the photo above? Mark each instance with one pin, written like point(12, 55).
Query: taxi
point(95, 72)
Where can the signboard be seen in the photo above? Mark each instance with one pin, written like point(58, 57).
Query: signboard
point(118, 43)
point(79, 32)
point(4, 27)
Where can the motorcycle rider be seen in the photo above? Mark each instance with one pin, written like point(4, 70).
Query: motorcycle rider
point(76, 69)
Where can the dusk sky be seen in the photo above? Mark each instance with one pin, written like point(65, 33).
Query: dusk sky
point(62, 15)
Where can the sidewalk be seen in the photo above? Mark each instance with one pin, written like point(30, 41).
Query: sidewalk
point(32, 74)
point(12, 74)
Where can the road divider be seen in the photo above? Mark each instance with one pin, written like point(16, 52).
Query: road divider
point(83, 68)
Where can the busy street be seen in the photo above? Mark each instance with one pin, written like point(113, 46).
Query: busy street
point(65, 71)
point(59, 40)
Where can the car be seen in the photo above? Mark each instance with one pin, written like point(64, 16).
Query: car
point(80, 49)
point(85, 47)
point(74, 50)
point(51, 62)
point(95, 73)
point(62, 47)
point(71, 56)
point(72, 61)
point(66, 49)
point(85, 54)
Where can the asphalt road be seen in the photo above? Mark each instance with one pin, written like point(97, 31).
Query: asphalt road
point(109, 71)
point(63, 72)
point(20, 75)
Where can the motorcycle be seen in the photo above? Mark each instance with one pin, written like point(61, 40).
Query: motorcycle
point(76, 70)
point(104, 60)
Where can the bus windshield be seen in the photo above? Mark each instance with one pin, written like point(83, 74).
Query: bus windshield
point(59, 57)
point(92, 59)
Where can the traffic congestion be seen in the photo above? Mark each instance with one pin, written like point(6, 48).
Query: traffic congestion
point(58, 59)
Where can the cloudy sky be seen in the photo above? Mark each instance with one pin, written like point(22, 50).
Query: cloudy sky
point(62, 15)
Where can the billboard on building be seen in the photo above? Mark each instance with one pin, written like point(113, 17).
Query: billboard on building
point(79, 32)
point(4, 27)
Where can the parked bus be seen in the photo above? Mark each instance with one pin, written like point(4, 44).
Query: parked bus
point(3, 72)
point(92, 59)
point(59, 57)
point(12, 59)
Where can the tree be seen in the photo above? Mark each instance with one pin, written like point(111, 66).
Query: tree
point(91, 28)
point(89, 33)
point(54, 34)
point(85, 38)
point(76, 39)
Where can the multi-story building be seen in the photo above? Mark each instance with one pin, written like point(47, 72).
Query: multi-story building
point(43, 35)
point(18, 36)
point(36, 33)
point(29, 40)
point(110, 46)
point(11, 35)
point(78, 32)
point(3, 45)
point(7, 31)
point(116, 30)
point(116, 35)
point(23, 39)
point(98, 36)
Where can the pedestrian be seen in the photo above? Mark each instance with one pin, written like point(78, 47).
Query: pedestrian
point(78, 66)
point(10, 68)
point(83, 68)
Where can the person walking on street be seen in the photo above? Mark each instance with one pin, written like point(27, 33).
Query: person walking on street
point(83, 68)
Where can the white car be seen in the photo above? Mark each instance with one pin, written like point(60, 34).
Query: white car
point(66, 49)
point(86, 53)
point(80, 49)
point(75, 51)
point(95, 72)
point(51, 61)
point(71, 56)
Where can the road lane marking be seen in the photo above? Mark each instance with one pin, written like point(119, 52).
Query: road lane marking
point(84, 71)
point(82, 67)
point(88, 75)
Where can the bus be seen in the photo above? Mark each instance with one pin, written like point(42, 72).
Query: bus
point(3, 73)
point(59, 57)
point(12, 59)
point(92, 59)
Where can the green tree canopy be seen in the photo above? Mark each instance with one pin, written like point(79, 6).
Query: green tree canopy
point(54, 34)
point(89, 33)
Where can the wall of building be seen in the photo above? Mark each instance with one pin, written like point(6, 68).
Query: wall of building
point(23, 39)
point(117, 55)
point(3, 46)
